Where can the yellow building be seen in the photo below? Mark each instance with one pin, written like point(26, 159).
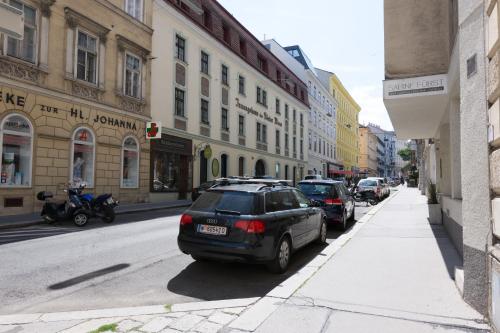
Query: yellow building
point(347, 152)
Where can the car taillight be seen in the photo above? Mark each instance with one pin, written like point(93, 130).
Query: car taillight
point(333, 201)
point(186, 219)
point(251, 226)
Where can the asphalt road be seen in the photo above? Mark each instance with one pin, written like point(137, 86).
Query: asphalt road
point(133, 262)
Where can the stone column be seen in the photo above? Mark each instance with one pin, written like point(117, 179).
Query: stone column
point(455, 151)
point(444, 185)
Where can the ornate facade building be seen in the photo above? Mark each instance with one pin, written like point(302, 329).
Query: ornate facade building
point(74, 99)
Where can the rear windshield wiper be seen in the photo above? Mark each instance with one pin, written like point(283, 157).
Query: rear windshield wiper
point(227, 212)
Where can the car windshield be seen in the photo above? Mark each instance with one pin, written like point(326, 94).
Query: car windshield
point(367, 182)
point(234, 202)
point(315, 189)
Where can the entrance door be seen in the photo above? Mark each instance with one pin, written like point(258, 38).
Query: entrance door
point(286, 172)
point(223, 167)
point(203, 168)
point(241, 166)
point(260, 168)
point(294, 175)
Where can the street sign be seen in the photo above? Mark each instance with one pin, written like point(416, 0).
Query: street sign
point(11, 21)
point(153, 130)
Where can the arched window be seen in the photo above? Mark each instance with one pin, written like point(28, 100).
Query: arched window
point(130, 163)
point(16, 162)
point(82, 161)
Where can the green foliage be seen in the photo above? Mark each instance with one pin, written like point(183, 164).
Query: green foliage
point(405, 154)
point(106, 328)
point(431, 194)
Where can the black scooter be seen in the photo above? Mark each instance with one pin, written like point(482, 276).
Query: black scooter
point(367, 196)
point(71, 209)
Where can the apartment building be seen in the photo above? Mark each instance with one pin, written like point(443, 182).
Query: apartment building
point(74, 101)
point(227, 105)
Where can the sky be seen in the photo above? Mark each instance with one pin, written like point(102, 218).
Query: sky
point(344, 37)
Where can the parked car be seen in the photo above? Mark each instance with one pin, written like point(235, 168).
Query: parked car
point(257, 223)
point(333, 197)
point(197, 191)
point(385, 189)
point(313, 177)
point(374, 185)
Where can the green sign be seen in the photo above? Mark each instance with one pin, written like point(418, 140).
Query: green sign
point(207, 152)
point(215, 167)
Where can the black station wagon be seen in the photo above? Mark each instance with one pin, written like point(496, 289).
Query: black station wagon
point(251, 223)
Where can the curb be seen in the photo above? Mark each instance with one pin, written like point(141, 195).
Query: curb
point(124, 312)
point(253, 317)
point(131, 211)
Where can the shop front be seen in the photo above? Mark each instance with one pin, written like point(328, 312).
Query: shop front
point(171, 168)
point(48, 141)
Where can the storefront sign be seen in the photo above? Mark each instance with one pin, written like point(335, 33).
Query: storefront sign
point(207, 152)
point(13, 99)
point(425, 85)
point(153, 130)
point(263, 115)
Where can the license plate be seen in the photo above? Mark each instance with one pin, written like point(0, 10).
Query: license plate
point(212, 229)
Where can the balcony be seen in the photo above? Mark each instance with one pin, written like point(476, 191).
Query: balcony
point(416, 105)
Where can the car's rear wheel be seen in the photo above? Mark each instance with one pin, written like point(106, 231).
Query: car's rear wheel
point(282, 258)
point(198, 258)
point(322, 232)
point(352, 217)
point(343, 222)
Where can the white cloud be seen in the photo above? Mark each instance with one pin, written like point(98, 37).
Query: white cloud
point(373, 110)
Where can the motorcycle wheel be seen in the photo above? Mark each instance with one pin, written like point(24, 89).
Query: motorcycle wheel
point(109, 214)
point(80, 219)
point(372, 202)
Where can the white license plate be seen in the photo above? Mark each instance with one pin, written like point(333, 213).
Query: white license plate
point(211, 229)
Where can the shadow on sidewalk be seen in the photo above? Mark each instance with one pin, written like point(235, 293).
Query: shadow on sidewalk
point(449, 253)
point(212, 280)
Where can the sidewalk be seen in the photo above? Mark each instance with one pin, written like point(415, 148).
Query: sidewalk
point(391, 273)
point(24, 220)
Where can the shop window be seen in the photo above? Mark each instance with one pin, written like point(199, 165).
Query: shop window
point(24, 49)
point(86, 57)
point(130, 163)
point(166, 172)
point(82, 163)
point(16, 151)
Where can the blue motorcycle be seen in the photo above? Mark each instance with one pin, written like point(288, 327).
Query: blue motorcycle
point(71, 209)
point(102, 206)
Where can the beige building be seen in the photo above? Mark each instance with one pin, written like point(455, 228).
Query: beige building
point(442, 87)
point(74, 100)
point(228, 107)
point(368, 153)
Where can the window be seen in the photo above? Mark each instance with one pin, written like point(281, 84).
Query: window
point(204, 62)
point(261, 133)
point(180, 48)
point(295, 89)
point(294, 145)
point(278, 144)
point(243, 47)
point(241, 166)
point(82, 163)
point(261, 63)
point(130, 163)
point(286, 111)
point(204, 112)
point(278, 106)
point(224, 122)
point(241, 85)
point(132, 76)
point(301, 147)
point(134, 8)
point(226, 33)
point(86, 64)
point(24, 49)
point(180, 97)
point(241, 125)
point(16, 162)
point(224, 75)
point(278, 76)
point(301, 119)
point(294, 115)
point(207, 18)
point(261, 96)
point(287, 146)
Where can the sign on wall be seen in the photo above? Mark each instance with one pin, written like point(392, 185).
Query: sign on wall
point(153, 130)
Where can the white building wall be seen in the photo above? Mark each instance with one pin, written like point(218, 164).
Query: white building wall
point(167, 22)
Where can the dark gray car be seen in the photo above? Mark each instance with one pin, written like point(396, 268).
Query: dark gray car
point(251, 223)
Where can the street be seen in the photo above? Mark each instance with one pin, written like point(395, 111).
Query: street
point(133, 262)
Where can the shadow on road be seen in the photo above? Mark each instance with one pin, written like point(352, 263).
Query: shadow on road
point(88, 276)
point(64, 227)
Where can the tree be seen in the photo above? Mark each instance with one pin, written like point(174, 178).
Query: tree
point(405, 154)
